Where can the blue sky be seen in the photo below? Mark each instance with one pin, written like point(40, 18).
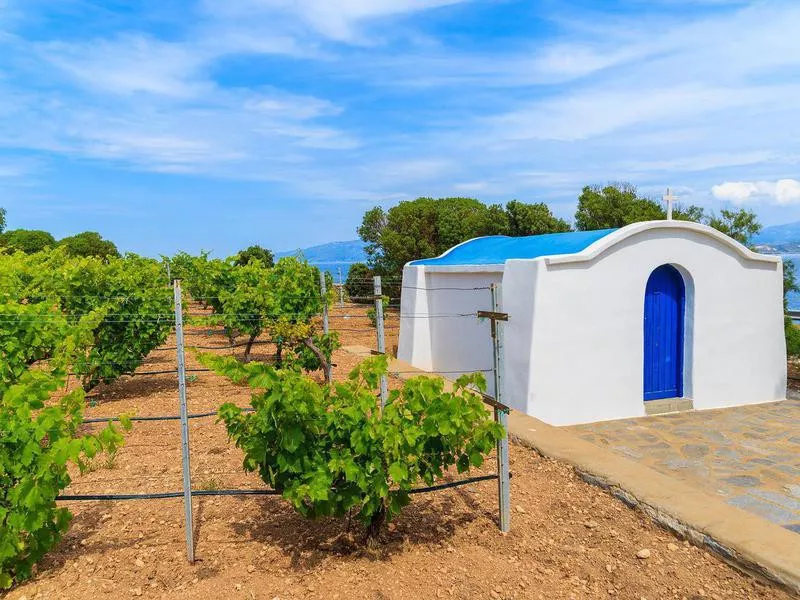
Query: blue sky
point(219, 123)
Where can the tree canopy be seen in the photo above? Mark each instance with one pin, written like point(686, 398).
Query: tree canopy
point(619, 204)
point(429, 226)
point(89, 243)
point(27, 240)
point(254, 252)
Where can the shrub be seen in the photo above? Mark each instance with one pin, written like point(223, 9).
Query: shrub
point(359, 283)
point(38, 442)
point(27, 240)
point(89, 243)
point(792, 337)
point(130, 293)
point(254, 253)
point(329, 449)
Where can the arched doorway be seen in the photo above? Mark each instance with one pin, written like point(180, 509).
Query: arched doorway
point(664, 307)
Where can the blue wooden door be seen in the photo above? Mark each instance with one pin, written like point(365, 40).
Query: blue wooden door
point(664, 302)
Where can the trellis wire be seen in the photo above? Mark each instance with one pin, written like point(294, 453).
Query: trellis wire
point(502, 476)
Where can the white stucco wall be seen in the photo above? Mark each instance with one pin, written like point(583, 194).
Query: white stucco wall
point(574, 342)
point(432, 334)
point(582, 333)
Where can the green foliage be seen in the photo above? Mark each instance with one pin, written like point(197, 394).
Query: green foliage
point(741, 224)
point(329, 449)
point(359, 283)
point(789, 281)
point(245, 307)
point(36, 332)
point(532, 219)
point(27, 240)
point(129, 292)
point(427, 227)
point(206, 278)
point(614, 205)
point(89, 243)
point(792, 334)
point(37, 441)
point(307, 356)
point(254, 253)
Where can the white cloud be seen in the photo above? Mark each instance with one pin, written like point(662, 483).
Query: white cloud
point(737, 192)
point(787, 191)
point(336, 19)
point(129, 64)
point(783, 192)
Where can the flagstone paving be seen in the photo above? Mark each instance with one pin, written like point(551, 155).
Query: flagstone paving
point(749, 455)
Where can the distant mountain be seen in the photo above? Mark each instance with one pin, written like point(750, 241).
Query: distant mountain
point(333, 252)
point(788, 233)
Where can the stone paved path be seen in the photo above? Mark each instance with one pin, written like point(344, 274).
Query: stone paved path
point(750, 455)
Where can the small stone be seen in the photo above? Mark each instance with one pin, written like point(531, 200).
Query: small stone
point(643, 554)
point(591, 524)
point(494, 595)
point(139, 562)
point(137, 591)
point(673, 547)
point(238, 587)
point(609, 568)
point(520, 509)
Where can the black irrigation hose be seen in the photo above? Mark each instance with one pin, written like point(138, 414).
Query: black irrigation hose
point(452, 484)
point(162, 495)
point(162, 418)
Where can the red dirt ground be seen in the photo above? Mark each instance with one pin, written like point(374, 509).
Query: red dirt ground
point(568, 539)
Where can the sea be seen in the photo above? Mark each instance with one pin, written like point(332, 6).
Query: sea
point(794, 297)
point(336, 269)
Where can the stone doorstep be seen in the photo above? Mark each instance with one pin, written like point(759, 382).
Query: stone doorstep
point(745, 541)
point(667, 405)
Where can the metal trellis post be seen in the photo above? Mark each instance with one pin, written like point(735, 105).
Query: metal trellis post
point(500, 415)
point(323, 290)
point(381, 335)
point(187, 479)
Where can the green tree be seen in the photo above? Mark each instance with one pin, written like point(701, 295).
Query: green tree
point(532, 219)
point(89, 243)
point(741, 224)
point(427, 227)
point(27, 240)
point(614, 205)
point(359, 283)
point(254, 252)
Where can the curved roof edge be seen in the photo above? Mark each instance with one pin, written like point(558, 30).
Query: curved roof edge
point(495, 250)
point(607, 242)
point(422, 261)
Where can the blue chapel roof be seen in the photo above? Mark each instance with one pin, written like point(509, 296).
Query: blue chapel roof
point(497, 249)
